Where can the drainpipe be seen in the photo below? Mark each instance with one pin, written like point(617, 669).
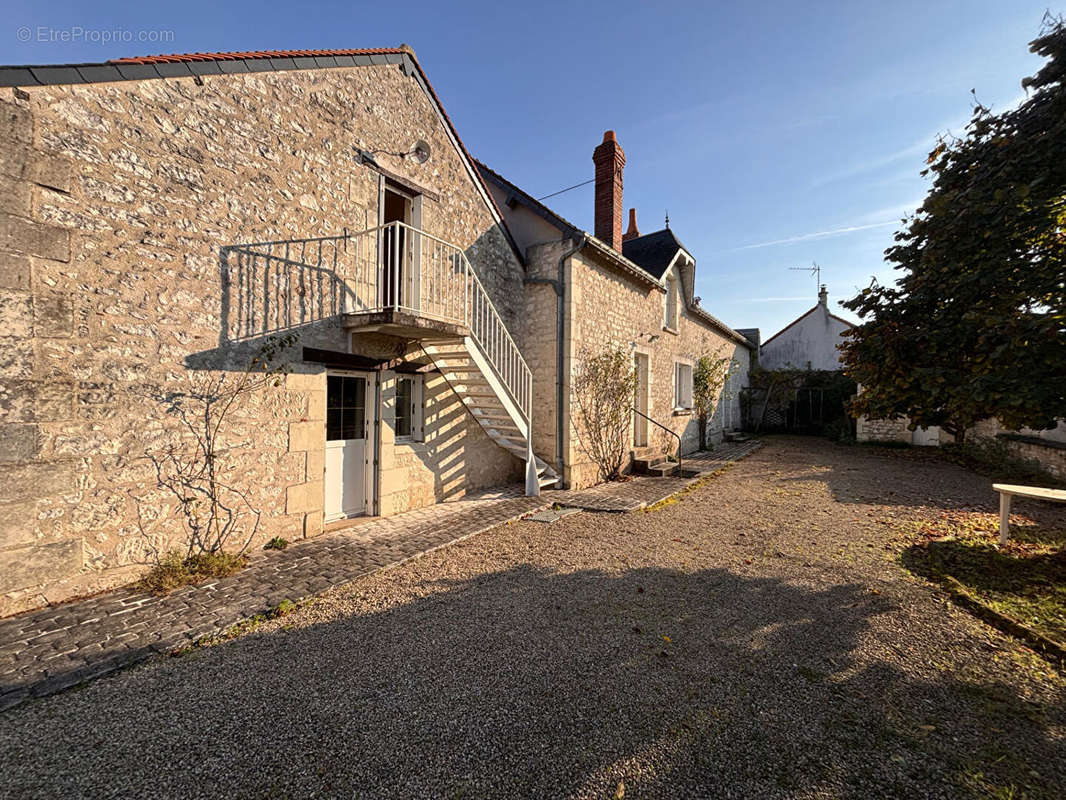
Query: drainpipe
point(559, 284)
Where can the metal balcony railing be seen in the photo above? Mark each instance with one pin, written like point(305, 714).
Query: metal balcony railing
point(394, 267)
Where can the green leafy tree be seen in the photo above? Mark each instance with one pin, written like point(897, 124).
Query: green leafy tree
point(708, 380)
point(974, 328)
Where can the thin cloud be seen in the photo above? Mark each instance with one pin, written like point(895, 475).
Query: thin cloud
point(920, 147)
point(897, 211)
point(803, 237)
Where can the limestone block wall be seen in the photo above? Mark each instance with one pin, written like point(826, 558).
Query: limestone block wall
point(607, 309)
point(117, 204)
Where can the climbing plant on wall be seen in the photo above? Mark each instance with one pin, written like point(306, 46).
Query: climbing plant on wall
point(708, 381)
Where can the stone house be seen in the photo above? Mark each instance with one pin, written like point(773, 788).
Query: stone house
point(811, 341)
point(585, 293)
point(167, 221)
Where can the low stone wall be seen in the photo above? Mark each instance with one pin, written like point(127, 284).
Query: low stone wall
point(1050, 455)
point(882, 430)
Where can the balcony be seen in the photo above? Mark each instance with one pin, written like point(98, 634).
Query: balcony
point(393, 279)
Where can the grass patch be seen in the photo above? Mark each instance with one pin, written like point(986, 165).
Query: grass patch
point(245, 626)
point(1024, 580)
point(680, 493)
point(277, 543)
point(174, 571)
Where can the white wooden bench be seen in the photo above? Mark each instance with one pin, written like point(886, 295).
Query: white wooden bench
point(1007, 491)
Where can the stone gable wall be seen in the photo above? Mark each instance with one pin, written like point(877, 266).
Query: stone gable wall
point(607, 310)
point(117, 202)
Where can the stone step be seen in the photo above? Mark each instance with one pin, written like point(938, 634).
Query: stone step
point(663, 470)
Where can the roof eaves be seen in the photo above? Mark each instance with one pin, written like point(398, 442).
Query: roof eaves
point(721, 326)
point(528, 200)
point(624, 263)
point(475, 173)
point(841, 319)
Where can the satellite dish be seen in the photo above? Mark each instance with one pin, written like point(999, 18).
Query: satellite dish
point(420, 152)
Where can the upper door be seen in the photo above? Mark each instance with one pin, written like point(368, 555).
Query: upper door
point(396, 258)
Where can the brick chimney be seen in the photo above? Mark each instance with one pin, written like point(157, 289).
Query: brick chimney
point(823, 296)
point(632, 232)
point(609, 160)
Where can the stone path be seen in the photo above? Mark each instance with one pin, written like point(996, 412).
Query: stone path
point(51, 649)
point(641, 492)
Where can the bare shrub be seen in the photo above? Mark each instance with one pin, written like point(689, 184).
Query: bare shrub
point(603, 391)
point(195, 466)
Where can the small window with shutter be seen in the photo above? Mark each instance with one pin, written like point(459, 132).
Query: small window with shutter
point(409, 423)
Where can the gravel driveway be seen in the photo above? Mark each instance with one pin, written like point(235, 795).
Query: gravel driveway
point(754, 639)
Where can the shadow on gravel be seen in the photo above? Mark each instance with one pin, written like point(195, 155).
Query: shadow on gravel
point(531, 683)
point(885, 476)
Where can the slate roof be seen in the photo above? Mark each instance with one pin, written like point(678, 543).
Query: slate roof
point(753, 335)
point(653, 251)
point(184, 65)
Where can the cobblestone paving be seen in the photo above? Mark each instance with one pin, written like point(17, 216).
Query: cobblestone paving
point(45, 651)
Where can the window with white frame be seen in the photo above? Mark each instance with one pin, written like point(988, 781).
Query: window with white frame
point(409, 393)
point(682, 386)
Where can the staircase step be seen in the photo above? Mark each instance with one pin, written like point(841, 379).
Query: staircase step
point(442, 349)
point(664, 470)
point(483, 415)
point(548, 481)
point(658, 467)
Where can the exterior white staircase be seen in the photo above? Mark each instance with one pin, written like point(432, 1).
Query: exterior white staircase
point(467, 370)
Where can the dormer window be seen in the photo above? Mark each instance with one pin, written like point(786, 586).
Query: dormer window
point(673, 305)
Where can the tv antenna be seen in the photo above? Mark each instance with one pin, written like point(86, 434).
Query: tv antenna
point(814, 270)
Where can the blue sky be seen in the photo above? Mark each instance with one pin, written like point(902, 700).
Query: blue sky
point(777, 134)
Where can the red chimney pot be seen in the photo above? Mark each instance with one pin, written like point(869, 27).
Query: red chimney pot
point(609, 159)
point(632, 232)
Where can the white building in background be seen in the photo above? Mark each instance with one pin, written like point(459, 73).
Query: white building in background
point(811, 342)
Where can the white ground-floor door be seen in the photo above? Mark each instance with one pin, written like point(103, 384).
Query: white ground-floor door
point(349, 446)
point(642, 368)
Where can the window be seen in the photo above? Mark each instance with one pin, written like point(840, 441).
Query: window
point(682, 386)
point(409, 407)
point(345, 408)
point(670, 315)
